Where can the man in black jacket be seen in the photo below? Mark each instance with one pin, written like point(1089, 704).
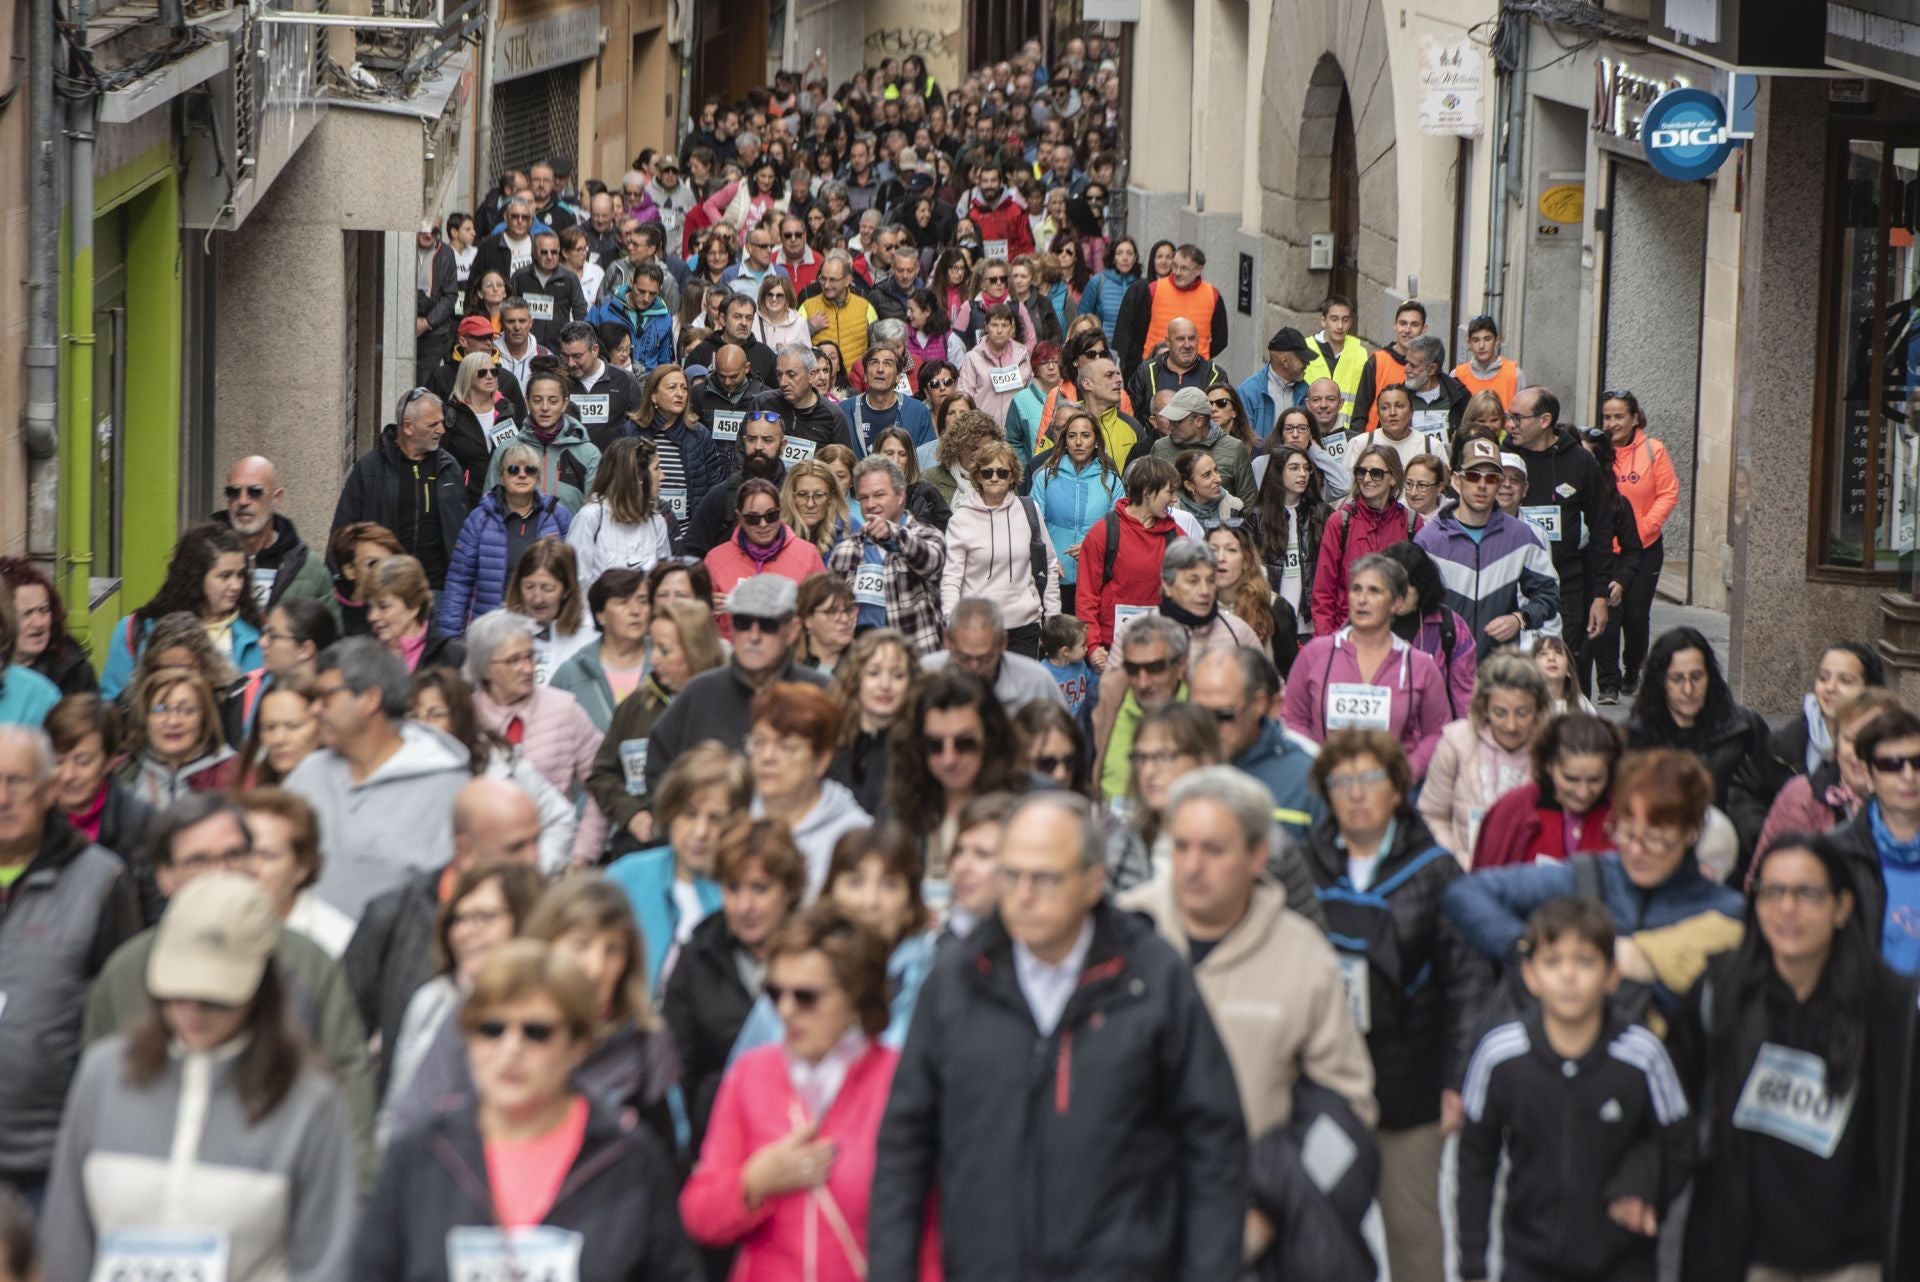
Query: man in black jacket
point(762, 437)
point(737, 328)
point(282, 564)
point(602, 393)
point(509, 249)
point(811, 419)
point(725, 396)
point(391, 952)
point(1062, 1088)
point(410, 485)
point(552, 292)
point(436, 282)
point(1571, 503)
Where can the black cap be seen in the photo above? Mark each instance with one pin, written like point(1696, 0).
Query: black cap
point(1289, 339)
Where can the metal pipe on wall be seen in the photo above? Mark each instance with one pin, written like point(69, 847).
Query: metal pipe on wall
point(43, 243)
point(483, 174)
point(76, 437)
point(1502, 189)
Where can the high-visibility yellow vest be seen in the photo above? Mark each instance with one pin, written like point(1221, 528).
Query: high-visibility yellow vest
point(1346, 372)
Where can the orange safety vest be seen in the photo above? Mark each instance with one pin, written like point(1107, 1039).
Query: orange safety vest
point(1504, 383)
point(1388, 369)
point(1066, 393)
point(1171, 303)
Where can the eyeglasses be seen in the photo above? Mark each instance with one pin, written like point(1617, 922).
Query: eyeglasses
point(522, 469)
point(995, 474)
point(165, 710)
point(209, 860)
point(1047, 881)
point(1225, 716)
point(523, 659)
point(1657, 846)
point(1514, 416)
point(758, 519)
point(1621, 394)
point(476, 917)
point(1893, 765)
point(1805, 896)
point(765, 416)
point(1355, 780)
point(1422, 485)
point(534, 1032)
point(793, 235)
point(743, 623)
point(1473, 478)
point(782, 745)
point(1222, 404)
point(961, 745)
point(1148, 667)
point(1371, 474)
point(803, 998)
point(1156, 758)
point(251, 491)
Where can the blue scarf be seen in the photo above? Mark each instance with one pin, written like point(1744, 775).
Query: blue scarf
point(1894, 851)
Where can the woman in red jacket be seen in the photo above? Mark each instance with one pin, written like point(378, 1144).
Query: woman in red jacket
point(1373, 519)
point(1564, 810)
point(1650, 486)
point(1124, 582)
point(787, 1166)
point(761, 544)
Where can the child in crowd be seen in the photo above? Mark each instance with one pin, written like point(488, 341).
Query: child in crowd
point(1063, 639)
point(1590, 1112)
point(1555, 661)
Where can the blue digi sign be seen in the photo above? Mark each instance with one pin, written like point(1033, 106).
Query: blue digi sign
point(1684, 133)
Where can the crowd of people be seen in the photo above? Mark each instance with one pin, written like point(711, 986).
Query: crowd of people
point(831, 739)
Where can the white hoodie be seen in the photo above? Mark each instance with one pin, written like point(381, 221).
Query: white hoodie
point(601, 543)
point(989, 555)
point(832, 817)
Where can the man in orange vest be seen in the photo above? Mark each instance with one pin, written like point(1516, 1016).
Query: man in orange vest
point(1150, 305)
point(1389, 363)
point(1487, 370)
point(1180, 366)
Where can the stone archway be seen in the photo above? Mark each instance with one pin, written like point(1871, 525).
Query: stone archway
point(1328, 156)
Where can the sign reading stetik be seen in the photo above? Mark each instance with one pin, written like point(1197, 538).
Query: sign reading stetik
point(1452, 87)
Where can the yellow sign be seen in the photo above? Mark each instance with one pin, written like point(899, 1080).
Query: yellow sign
point(1565, 203)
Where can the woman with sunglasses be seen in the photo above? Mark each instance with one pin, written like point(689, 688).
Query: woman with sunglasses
point(1362, 677)
point(993, 288)
point(1816, 1178)
point(1374, 520)
point(939, 383)
point(872, 684)
point(924, 502)
point(1103, 293)
point(512, 517)
point(787, 1168)
point(952, 743)
point(761, 544)
point(1054, 747)
point(991, 543)
point(778, 322)
point(537, 1161)
point(1227, 413)
point(1685, 703)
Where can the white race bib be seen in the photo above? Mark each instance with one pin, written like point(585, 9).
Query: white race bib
point(870, 586)
point(994, 249)
point(161, 1255)
point(1351, 706)
point(1290, 567)
point(797, 450)
point(1786, 1097)
point(1004, 378)
point(726, 424)
point(263, 587)
point(1356, 976)
point(903, 387)
point(593, 409)
point(633, 764)
point(540, 1253)
point(1335, 444)
point(1546, 519)
point(540, 306)
point(459, 302)
point(503, 431)
point(519, 263)
point(1122, 614)
point(673, 501)
point(1432, 442)
point(1430, 422)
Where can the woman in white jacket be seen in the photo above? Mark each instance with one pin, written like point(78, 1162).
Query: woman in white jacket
point(778, 321)
point(990, 542)
point(621, 524)
point(1487, 754)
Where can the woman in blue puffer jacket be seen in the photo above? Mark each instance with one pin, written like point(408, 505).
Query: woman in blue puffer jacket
point(1075, 485)
point(1103, 293)
point(511, 518)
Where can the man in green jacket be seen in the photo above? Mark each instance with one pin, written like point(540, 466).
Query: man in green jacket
point(282, 564)
point(1191, 427)
point(203, 833)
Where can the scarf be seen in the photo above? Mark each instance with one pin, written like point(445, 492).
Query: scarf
point(545, 435)
point(88, 820)
point(1186, 618)
point(1819, 737)
point(411, 648)
point(1904, 853)
point(761, 556)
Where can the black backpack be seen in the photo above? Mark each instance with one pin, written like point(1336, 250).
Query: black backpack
point(1036, 551)
point(1112, 523)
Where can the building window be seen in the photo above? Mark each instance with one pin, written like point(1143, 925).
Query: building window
point(1870, 409)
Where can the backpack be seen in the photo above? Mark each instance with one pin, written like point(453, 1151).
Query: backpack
point(1631, 1003)
point(1112, 524)
point(1036, 551)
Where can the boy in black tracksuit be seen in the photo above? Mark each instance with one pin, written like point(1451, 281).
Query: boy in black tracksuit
point(1590, 1112)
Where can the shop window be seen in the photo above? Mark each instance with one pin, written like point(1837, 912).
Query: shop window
point(1869, 502)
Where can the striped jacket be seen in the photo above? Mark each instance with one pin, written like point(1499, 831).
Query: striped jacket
point(914, 558)
point(1508, 570)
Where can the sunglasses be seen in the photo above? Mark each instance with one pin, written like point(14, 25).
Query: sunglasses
point(743, 623)
point(964, 745)
point(942, 382)
point(803, 998)
point(1048, 765)
point(536, 1032)
point(522, 469)
point(1371, 473)
point(1893, 765)
point(251, 491)
point(1148, 667)
point(758, 519)
point(996, 474)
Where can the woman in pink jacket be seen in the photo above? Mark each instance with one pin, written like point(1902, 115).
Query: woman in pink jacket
point(1362, 677)
point(1371, 520)
point(996, 371)
point(760, 544)
point(786, 1170)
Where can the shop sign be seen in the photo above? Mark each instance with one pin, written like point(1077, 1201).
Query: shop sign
point(1685, 134)
point(524, 48)
point(1564, 203)
point(1622, 92)
point(1452, 87)
point(1879, 37)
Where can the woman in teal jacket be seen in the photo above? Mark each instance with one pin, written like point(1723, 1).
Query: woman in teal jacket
point(208, 578)
point(1075, 485)
point(1103, 293)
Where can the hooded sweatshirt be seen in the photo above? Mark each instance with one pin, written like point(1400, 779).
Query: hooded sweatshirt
point(978, 373)
point(1567, 494)
point(833, 815)
point(989, 554)
point(1416, 708)
point(1136, 569)
point(1469, 772)
point(377, 833)
point(568, 461)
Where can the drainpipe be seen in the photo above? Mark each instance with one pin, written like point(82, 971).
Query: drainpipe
point(483, 113)
point(76, 471)
point(43, 244)
point(1508, 179)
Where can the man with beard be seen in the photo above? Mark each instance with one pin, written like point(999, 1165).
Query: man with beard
point(762, 436)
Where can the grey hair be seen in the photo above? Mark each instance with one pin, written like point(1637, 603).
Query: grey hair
point(1156, 627)
point(1245, 797)
point(829, 190)
point(976, 612)
point(1258, 675)
point(890, 334)
point(36, 738)
point(840, 256)
point(745, 136)
point(411, 410)
point(1432, 349)
point(1185, 554)
point(521, 201)
point(808, 358)
point(895, 229)
point(633, 176)
point(485, 636)
point(364, 664)
point(1387, 568)
point(880, 463)
point(1093, 846)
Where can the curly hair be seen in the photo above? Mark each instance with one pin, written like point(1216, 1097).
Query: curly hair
point(194, 557)
point(914, 796)
point(846, 677)
point(183, 631)
point(966, 432)
point(1252, 599)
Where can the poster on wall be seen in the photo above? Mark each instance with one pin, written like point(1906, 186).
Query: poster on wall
point(1452, 87)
